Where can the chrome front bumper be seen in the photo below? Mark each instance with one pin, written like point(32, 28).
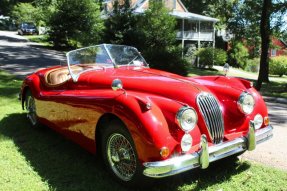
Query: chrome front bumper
point(207, 154)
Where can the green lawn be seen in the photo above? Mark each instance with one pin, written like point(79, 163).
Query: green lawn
point(39, 159)
point(41, 39)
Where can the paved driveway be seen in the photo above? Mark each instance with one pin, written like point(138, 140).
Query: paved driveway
point(21, 58)
point(274, 151)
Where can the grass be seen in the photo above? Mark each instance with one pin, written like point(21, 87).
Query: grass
point(39, 159)
point(277, 87)
point(41, 39)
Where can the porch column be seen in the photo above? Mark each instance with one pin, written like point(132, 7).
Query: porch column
point(199, 35)
point(213, 37)
point(198, 42)
point(182, 38)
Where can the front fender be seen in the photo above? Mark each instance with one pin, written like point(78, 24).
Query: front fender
point(147, 125)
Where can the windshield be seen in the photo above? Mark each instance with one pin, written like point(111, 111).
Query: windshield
point(29, 26)
point(103, 56)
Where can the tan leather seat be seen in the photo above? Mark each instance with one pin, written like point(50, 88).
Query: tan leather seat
point(57, 76)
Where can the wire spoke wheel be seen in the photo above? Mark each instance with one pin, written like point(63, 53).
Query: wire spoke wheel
point(31, 109)
point(121, 156)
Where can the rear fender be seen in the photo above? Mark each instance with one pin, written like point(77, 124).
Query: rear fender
point(31, 83)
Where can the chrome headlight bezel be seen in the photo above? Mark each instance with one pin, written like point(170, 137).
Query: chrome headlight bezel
point(246, 103)
point(184, 113)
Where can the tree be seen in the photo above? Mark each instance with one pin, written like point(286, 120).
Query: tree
point(25, 12)
point(6, 6)
point(157, 27)
point(75, 23)
point(195, 6)
point(271, 10)
point(157, 35)
point(238, 55)
point(121, 25)
point(265, 40)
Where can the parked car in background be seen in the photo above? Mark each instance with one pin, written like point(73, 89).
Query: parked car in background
point(145, 122)
point(27, 28)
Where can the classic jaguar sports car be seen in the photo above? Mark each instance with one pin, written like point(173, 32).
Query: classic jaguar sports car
point(145, 122)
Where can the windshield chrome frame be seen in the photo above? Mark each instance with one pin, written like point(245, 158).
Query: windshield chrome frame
point(76, 76)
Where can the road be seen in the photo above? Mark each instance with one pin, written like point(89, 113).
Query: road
point(274, 151)
point(21, 58)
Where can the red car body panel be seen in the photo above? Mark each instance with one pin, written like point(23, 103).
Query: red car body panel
point(75, 108)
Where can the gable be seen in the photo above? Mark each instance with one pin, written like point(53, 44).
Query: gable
point(174, 5)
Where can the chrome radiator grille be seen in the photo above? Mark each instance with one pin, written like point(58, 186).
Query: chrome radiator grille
point(212, 116)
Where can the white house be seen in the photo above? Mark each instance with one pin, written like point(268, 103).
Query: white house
point(192, 28)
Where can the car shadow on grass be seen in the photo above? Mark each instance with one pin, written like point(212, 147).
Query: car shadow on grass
point(65, 166)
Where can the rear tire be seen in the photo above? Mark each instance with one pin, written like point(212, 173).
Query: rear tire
point(120, 156)
point(30, 107)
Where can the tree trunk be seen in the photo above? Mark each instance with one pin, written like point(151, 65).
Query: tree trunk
point(265, 32)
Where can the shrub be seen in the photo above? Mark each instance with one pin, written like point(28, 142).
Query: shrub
point(168, 60)
point(252, 65)
point(239, 55)
point(278, 66)
point(211, 56)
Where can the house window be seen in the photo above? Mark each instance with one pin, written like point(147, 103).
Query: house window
point(273, 52)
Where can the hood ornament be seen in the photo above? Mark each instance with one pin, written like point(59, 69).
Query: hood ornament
point(225, 68)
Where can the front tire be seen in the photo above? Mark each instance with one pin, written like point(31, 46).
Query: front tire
point(30, 107)
point(120, 156)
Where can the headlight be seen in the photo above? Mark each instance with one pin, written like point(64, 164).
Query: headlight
point(187, 118)
point(246, 103)
point(258, 120)
point(186, 142)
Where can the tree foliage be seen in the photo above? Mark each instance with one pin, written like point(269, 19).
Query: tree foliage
point(6, 6)
point(25, 12)
point(238, 55)
point(157, 40)
point(121, 25)
point(75, 23)
point(157, 27)
point(211, 56)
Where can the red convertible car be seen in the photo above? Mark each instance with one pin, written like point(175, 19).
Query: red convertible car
point(145, 122)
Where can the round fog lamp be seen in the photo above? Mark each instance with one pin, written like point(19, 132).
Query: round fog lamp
point(186, 142)
point(258, 120)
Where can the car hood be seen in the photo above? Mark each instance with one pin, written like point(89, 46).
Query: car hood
point(154, 82)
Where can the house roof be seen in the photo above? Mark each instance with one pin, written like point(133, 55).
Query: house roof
point(192, 16)
point(139, 9)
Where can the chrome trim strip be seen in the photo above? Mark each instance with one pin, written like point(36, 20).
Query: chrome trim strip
point(206, 154)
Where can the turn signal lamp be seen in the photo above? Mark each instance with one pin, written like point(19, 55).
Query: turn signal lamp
point(266, 120)
point(164, 152)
